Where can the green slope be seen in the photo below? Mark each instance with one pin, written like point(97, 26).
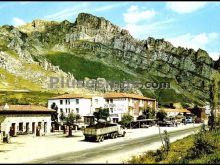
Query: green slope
point(81, 67)
point(33, 97)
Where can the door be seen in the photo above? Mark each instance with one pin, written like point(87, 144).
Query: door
point(45, 127)
point(27, 128)
point(12, 129)
point(33, 127)
point(20, 128)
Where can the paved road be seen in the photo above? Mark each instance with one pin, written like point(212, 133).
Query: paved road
point(89, 155)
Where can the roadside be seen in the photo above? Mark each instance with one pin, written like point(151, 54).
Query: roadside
point(27, 148)
point(123, 157)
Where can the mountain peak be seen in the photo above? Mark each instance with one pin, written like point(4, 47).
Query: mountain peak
point(94, 22)
point(36, 25)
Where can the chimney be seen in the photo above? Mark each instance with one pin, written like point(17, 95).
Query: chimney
point(6, 106)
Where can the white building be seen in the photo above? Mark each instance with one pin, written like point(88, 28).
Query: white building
point(123, 103)
point(117, 103)
point(24, 119)
point(97, 103)
point(67, 103)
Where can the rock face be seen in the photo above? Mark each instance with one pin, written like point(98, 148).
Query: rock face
point(190, 69)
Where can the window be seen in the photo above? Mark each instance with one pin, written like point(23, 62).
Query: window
point(111, 100)
point(115, 120)
point(67, 101)
point(77, 101)
point(66, 110)
point(61, 102)
point(77, 110)
point(61, 110)
point(111, 110)
point(96, 101)
point(69, 110)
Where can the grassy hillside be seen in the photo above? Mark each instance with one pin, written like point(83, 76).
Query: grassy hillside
point(9, 81)
point(81, 67)
point(35, 98)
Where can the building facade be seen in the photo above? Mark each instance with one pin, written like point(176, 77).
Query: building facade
point(67, 103)
point(118, 104)
point(124, 103)
point(25, 119)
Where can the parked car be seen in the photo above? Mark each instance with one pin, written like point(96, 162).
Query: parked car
point(188, 119)
point(145, 126)
point(179, 119)
point(169, 123)
point(166, 122)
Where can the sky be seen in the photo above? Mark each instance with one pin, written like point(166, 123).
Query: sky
point(187, 24)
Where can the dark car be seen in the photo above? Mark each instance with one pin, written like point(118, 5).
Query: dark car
point(165, 123)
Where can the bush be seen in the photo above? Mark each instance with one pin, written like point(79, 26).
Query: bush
point(126, 119)
point(202, 145)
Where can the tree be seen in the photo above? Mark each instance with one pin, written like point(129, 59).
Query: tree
point(213, 91)
point(166, 142)
point(141, 117)
point(78, 117)
point(70, 120)
point(54, 115)
point(149, 113)
point(146, 112)
point(62, 118)
point(102, 114)
point(161, 115)
point(127, 119)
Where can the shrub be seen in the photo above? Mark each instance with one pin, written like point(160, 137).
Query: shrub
point(202, 145)
point(126, 119)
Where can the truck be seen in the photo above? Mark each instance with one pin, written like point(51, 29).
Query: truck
point(101, 131)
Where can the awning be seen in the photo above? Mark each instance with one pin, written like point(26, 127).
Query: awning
point(176, 110)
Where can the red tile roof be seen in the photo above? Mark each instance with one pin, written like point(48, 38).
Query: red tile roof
point(70, 96)
point(25, 108)
point(125, 95)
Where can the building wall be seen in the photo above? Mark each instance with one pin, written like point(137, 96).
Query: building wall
point(82, 107)
point(117, 107)
point(26, 118)
point(134, 107)
point(97, 102)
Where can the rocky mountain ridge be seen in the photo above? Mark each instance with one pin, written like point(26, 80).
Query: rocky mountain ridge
point(154, 59)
